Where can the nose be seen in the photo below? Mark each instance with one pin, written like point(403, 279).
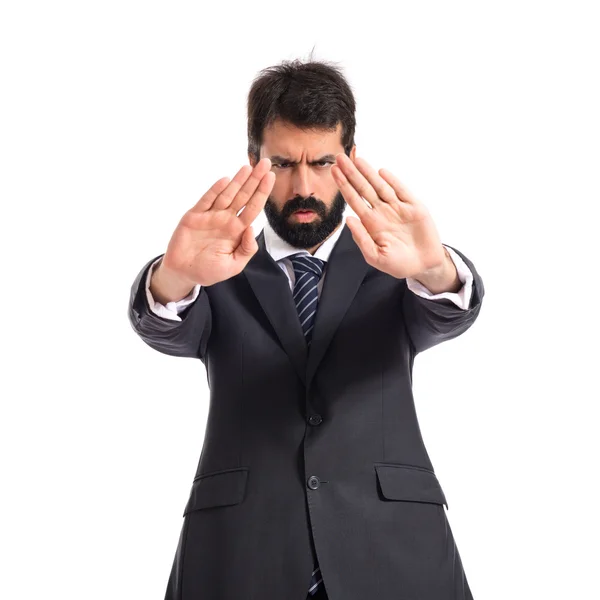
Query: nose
point(302, 181)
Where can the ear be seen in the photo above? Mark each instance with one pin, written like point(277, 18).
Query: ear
point(353, 153)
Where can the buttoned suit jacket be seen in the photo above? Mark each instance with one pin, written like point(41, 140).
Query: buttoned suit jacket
point(312, 451)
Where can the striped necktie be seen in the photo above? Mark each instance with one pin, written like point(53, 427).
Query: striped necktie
point(308, 270)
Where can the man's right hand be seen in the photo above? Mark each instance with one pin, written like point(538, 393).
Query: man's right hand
point(211, 242)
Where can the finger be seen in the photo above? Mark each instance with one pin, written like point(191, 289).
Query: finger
point(401, 191)
point(207, 199)
point(357, 179)
point(258, 199)
point(351, 196)
point(245, 193)
point(224, 199)
point(382, 188)
point(363, 239)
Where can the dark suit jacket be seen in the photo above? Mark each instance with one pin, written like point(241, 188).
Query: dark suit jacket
point(314, 451)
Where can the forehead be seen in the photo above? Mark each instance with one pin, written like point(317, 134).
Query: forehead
point(286, 139)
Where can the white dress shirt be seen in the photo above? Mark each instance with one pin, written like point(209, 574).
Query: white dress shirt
point(280, 250)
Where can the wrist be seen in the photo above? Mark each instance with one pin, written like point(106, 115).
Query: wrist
point(167, 285)
point(442, 277)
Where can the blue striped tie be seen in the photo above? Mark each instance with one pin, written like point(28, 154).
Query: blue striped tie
point(308, 270)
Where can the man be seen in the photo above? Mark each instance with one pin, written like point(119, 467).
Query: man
point(313, 480)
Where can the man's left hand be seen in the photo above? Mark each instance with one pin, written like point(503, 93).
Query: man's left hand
point(396, 234)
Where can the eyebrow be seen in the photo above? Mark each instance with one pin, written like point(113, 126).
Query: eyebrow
point(282, 159)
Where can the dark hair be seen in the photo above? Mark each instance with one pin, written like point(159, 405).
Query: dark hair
point(310, 95)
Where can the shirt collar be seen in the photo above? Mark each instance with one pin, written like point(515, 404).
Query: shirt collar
point(279, 248)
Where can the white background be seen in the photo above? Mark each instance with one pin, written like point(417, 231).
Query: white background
point(117, 116)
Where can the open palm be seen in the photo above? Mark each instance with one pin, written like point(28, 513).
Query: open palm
point(396, 234)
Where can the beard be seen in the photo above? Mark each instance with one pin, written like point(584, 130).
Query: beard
point(305, 235)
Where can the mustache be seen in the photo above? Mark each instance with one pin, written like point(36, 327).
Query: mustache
point(304, 203)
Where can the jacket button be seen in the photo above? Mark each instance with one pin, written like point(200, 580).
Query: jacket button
point(313, 482)
point(315, 419)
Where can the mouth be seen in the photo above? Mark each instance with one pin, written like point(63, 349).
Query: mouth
point(304, 215)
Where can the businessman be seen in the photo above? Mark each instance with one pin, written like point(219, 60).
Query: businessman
point(313, 480)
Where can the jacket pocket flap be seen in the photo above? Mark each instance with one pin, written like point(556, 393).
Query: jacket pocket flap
point(220, 488)
point(405, 482)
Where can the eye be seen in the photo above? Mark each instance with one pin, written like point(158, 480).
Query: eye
point(321, 163)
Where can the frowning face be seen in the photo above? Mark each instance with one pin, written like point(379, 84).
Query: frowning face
point(305, 205)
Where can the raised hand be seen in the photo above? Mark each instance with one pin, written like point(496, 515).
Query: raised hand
point(396, 234)
point(212, 242)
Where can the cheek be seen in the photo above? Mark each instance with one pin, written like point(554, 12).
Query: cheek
point(326, 179)
point(330, 188)
point(281, 186)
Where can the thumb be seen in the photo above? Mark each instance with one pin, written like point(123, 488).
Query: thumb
point(247, 247)
point(363, 239)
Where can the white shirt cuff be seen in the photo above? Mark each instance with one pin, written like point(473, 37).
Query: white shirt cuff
point(171, 310)
point(462, 298)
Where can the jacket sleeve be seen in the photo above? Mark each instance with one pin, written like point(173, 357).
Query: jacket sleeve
point(187, 337)
point(432, 321)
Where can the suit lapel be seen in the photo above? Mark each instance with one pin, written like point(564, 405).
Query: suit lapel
point(346, 268)
point(272, 289)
